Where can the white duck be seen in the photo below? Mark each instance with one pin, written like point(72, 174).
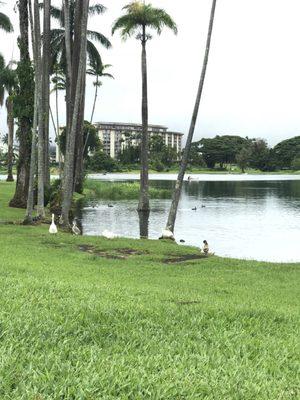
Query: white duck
point(75, 228)
point(167, 234)
point(108, 235)
point(53, 227)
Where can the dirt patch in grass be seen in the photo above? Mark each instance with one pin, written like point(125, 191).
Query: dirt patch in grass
point(115, 254)
point(187, 257)
point(187, 303)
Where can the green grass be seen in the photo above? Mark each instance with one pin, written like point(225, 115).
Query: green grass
point(118, 190)
point(101, 324)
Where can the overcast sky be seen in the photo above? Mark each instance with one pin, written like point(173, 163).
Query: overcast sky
point(253, 79)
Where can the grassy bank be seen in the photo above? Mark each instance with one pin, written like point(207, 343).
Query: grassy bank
point(89, 318)
point(118, 190)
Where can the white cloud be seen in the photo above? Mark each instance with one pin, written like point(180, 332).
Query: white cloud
point(252, 85)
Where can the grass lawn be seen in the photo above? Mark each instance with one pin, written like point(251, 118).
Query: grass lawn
point(90, 318)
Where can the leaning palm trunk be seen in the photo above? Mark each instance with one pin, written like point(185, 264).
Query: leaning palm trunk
point(178, 187)
point(41, 138)
point(68, 176)
point(144, 183)
point(10, 144)
point(95, 99)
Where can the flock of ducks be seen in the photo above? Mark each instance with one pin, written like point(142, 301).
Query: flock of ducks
point(76, 230)
point(53, 228)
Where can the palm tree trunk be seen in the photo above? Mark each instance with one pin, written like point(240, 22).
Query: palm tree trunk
point(57, 130)
point(41, 138)
point(68, 176)
point(144, 178)
point(46, 87)
point(10, 150)
point(79, 145)
point(95, 99)
point(92, 116)
point(178, 187)
point(24, 122)
point(30, 199)
point(66, 7)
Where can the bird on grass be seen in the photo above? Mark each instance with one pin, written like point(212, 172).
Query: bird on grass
point(75, 228)
point(53, 227)
point(167, 234)
point(194, 208)
point(108, 235)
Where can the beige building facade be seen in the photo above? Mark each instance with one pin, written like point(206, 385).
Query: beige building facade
point(113, 135)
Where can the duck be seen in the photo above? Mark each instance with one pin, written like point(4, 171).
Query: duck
point(203, 206)
point(75, 228)
point(167, 234)
point(110, 205)
point(108, 235)
point(194, 208)
point(182, 241)
point(53, 227)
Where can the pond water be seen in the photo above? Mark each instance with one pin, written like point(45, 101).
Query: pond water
point(252, 217)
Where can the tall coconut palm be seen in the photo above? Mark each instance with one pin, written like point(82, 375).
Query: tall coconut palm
point(178, 187)
point(8, 83)
point(98, 71)
point(138, 19)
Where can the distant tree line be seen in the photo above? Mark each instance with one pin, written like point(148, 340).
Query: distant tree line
point(226, 150)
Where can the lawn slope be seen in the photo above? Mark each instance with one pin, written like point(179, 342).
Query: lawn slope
point(90, 318)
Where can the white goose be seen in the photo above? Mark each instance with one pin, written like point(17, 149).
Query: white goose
point(167, 234)
point(108, 235)
point(53, 227)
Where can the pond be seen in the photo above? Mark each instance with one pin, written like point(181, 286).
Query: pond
point(241, 216)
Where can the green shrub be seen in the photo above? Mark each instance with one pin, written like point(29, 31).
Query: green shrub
point(121, 190)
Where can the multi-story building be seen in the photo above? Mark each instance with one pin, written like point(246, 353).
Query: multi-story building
point(114, 136)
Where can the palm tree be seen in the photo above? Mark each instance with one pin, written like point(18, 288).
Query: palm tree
point(97, 71)
point(137, 20)
point(5, 23)
point(46, 85)
point(178, 187)
point(8, 83)
point(81, 12)
point(58, 34)
point(68, 16)
point(23, 109)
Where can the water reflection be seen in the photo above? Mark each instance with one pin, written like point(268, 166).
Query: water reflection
point(259, 220)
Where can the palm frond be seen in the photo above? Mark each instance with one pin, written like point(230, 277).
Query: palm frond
point(5, 23)
point(98, 37)
point(93, 54)
point(55, 12)
point(139, 15)
point(97, 9)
